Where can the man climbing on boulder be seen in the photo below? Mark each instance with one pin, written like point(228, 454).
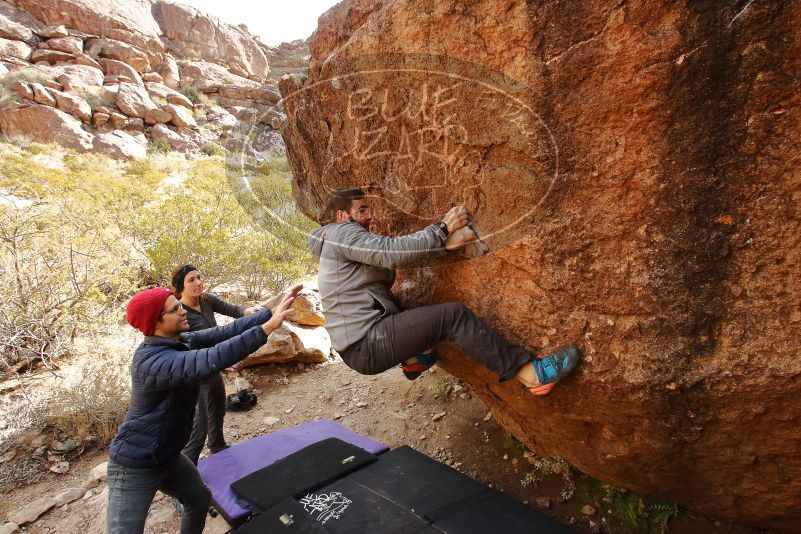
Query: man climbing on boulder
point(370, 332)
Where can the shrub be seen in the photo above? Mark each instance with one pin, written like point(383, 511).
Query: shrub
point(441, 390)
point(192, 93)
point(63, 264)
point(27, 74)
point(627, 512)
point(79, 237)
point(39, 148)
point(95, 98)
point(551, 466)
point(268, 198)
point(158, 146)
point(202, 222)
point(92, 409)
point(213, 150)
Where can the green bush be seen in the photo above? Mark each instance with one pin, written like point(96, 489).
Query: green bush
point(77, 240)
point(192, 93)
point(626, 512)
point(202, 222)
point(158, 146)
point(551, 466)
point(213, 150)
point(63, 263)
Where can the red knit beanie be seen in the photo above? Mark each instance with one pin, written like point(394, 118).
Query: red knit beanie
point(144, 309)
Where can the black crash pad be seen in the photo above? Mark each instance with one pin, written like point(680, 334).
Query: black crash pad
point(287, 517)
point(418, 483)
point(308, 469)
point(498, 513)
point(347, 507)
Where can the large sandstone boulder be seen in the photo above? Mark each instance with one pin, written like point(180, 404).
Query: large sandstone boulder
point(72, 78)
point(74, 105)
point(181, 142)
point(221, 118)
point(18, 24)
point(45, 125)
point(120, 51)
point(42, 95)
point(263, 94)
point(288, 58)
point(634, 170)
point(114, 67)
point(210, 77)
point(95, 16)
point(119, 145)
point(15, 49)
point(181, 116)
point(10, 30)
point(70, 45)
point(157, 116)
point(133, 100)
point(172, 96)
point(338, 24)
point(77, 78)
point(170, 72)
point(51, 56)
point(190, 32)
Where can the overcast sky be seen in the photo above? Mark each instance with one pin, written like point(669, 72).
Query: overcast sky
point(275, 21)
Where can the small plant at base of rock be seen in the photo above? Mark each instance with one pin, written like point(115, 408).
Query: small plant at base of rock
point(627, 512)
point(95, 100)
point(28, 74)
point(213, 150)
point(441, 390)
point(159, 146)
point(514, 446)
point(192, 93)
point(6, 94)
point(551, 466)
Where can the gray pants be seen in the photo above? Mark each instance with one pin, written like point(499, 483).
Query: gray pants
point(131, 491)
point(209, 418)
point(396, 338)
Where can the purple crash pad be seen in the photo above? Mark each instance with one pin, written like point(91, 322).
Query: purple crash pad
point(220, 470)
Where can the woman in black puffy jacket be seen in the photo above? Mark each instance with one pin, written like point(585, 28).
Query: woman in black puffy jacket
point(200, 309)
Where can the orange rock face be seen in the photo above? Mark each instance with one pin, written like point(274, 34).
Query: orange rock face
point(636, 173)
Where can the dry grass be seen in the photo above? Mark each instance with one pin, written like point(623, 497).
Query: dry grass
point(91, 407)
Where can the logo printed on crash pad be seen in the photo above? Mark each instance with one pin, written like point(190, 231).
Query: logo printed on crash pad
point(325, 506)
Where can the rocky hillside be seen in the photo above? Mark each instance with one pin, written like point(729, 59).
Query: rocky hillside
point(111, 77)
point(634, 169)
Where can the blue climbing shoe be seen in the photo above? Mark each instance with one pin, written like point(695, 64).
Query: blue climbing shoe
point(554, 368)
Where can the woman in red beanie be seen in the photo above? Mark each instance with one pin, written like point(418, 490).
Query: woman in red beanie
point(200, 309)
point(145, 455)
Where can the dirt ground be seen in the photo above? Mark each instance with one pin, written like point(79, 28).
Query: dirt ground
point(434, 414)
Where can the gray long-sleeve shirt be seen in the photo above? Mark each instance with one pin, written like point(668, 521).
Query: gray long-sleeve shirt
point(357, 269)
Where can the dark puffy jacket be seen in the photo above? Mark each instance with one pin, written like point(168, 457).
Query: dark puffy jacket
point(164, 376)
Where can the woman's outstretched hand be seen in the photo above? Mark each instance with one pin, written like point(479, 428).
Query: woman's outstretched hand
point(282, 310)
